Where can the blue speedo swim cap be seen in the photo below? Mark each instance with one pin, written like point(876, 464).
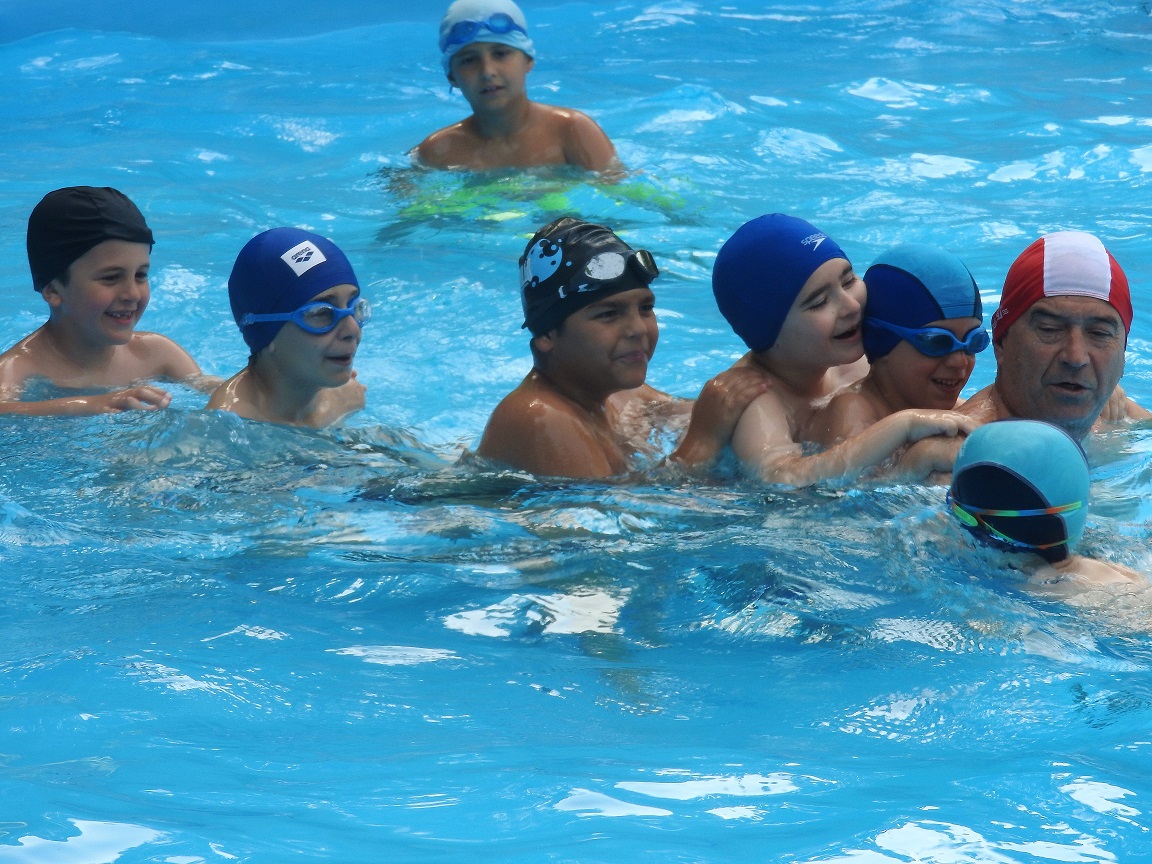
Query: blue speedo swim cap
point(760, 270)
point(913, 285)
point(1010, 466)
point(279, 271)
point(468, 21)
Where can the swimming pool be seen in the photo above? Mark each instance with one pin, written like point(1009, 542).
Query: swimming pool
point(226, 642)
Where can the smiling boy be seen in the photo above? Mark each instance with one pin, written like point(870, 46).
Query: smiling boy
point(89, 250)
point(591, 314)
point(486, 52)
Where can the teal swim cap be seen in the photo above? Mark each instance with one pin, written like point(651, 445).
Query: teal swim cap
point(468, 21)
point(913, 285)
point(1024, 484)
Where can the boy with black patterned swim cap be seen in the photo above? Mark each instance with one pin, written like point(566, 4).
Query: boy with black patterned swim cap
point(589, 308)
point(89, 250)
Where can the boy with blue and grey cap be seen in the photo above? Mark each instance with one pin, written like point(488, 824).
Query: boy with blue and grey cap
point(486, 52)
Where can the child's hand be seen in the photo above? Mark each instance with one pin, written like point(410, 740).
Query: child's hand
point(718, 409)
point(141, 398)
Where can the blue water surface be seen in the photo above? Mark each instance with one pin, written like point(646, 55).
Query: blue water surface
point(224, 641)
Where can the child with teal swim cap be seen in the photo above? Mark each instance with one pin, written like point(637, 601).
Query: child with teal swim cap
point(789, 291)
point(922, 331)
point(1022, 486)
point(89, 250)
point(297, 303)
point(486, 52)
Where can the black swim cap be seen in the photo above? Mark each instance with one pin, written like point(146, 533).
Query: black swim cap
point(70, 221)
point(569, 264)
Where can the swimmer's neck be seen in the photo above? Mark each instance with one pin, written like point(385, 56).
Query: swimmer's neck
point(798, 379)
point(593, 404)
point(71, 348)
point(503, 124)
point(278, 401)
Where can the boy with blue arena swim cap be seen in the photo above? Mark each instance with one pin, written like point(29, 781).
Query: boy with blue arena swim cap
point(922, 332)
point(486, 52)
point(297, 303)
point(789, 292)
point(590, 310)
point(89, 250)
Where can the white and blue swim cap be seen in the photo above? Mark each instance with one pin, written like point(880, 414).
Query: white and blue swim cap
point(468, 21)
point(913, 285)
point(1024, 484)
point(760, 271)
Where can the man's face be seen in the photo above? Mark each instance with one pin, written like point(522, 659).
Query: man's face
point(1061, 361)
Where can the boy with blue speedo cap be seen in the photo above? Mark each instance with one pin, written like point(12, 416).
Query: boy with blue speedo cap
point(922, 331)
point(1022, 486)
point(789, 291)
point(89, 250)
point(297, 303)
point(486, 52)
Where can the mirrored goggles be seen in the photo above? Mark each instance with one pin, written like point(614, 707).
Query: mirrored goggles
point(463, 32)
point(316, 318)
point(936, 341)
point(973, 517)
point(608, 266)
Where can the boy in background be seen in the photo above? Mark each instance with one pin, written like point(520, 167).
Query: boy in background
point(486, 52)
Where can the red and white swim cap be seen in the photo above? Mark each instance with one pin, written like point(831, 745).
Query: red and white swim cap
point(1062, 264)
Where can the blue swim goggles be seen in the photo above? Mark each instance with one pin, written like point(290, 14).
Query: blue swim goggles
point(936, 341)
point(463, 32)
point(316, 318)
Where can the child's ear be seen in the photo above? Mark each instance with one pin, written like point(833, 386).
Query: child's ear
point(544, 343)
point(51, 294)
point(451, 80)
point(531, 65)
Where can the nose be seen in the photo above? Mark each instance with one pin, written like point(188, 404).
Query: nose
point(133, 289)
point(1074, 351)
point(348, 328)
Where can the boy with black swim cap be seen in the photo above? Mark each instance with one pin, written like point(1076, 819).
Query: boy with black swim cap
point(89, 251)
point(587, 302)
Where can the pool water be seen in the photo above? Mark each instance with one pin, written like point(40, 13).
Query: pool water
point(224, 641)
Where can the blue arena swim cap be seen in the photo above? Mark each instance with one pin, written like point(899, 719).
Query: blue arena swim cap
point(279, 271)
point(468, 21)
point(760, 271)
point(912, 285)
point(1022, 465)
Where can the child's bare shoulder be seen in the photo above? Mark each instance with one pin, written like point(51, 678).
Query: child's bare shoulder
point(157, 356)
point(446, 148)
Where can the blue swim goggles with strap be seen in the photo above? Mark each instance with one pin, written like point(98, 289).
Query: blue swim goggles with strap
point(936, 341)
point(463, 32)
point(316, 318)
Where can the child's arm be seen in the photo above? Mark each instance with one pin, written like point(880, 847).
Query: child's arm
point(585, 143)
point(717, 410)
point(141, 398)
point(764, 444)
point(847, 414)
point(172, 363)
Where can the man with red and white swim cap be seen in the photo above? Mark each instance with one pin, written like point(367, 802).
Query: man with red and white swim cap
point(1059, 337)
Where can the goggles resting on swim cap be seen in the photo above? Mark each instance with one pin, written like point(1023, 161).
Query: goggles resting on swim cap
point(973, 517)
point(316, 318)
point(936, 341)
point(463, 32)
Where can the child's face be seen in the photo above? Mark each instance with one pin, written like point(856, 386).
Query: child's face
point(490, 74)
point(605, 346)
point(823, 324)
point(913, 380)
point(317, 360)
point(104, 292)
